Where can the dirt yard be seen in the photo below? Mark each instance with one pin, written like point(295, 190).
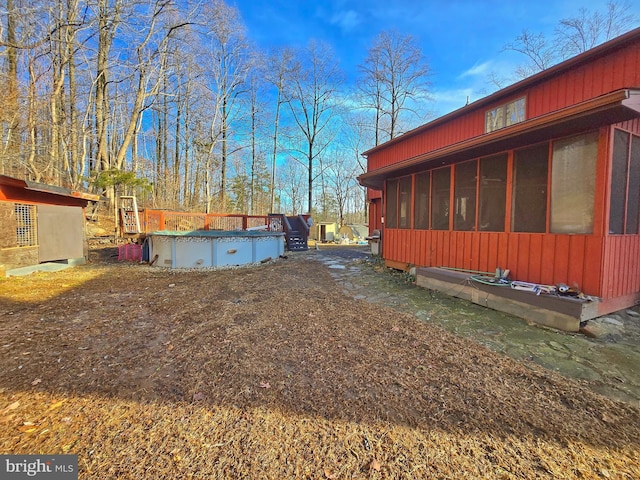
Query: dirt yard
point(274, 372)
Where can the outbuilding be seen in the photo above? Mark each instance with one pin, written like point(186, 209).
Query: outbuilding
point(40, 223)
point(541, 178)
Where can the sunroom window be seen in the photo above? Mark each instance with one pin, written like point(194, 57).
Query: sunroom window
point(423, 192)
point(531, 177)
point(399, 203)
point(493, 193)
point(392, 203)
point(624, 205)
point(465, 196)
point(573, 183)
point(440, 198)
point(404, 200)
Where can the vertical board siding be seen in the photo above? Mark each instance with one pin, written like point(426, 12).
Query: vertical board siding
point(600, 264)
point(535, 256)
point(615, 70)
point(538, 258)
point(561, 265)
point(592, 277)
point(621, 262)
point(547, 259)
point(576, 259)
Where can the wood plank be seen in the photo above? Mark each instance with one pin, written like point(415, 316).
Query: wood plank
point(524, 242)
point(547, 259)
point(512, 260)
point(485, 253)
point(502, 259)
point(467, 249)
point(535, 259)
point(561, 270)
point(592, 275)
point(575, 271)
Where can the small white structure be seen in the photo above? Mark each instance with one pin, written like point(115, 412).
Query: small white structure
point(324, 232)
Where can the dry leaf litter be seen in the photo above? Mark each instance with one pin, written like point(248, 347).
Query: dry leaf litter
point(272, 371)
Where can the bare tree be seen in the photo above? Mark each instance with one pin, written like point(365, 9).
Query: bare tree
point(313, 102)
point(278, 72)
point(229, 58)
point(572, 36)
point(261, 184)
point(341, 180)
point(292, 186)
point(540, 52)
point(9, 114)
point(394, 80)
point(588, 29)
point(356, 136)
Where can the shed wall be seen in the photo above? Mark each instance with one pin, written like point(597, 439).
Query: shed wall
point(7, 225)
point(61, 232)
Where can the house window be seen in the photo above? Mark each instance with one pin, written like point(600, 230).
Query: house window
point(493, 193)
point(573, 183)
point(633, 187)
point(26, 233)
point(440, 198)
point(465, 196)
point(531, 178)
point(505, 115)
point(625, 184)
point(404, 199)
point(392, 203)
point(399, 203)
point(423, 192)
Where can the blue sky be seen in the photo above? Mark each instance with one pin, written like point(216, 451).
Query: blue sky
point(461, 40)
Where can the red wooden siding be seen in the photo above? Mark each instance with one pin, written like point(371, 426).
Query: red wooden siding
point(598, 263)
point(470, 125)
point(532, 257)
point(615, 70)
point(622, 264)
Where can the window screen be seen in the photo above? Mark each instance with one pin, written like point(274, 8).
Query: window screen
point(573, 183)
point(440, 198)
point(633, 195)
point(529, 204)
point(404, 198)
point(392, 203)
point(493, 193)
point(465, 196)
point(422, 194)
point(26, 233)
point(619, 173)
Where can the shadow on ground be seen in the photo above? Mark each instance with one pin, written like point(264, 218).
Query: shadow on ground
point(285, 338)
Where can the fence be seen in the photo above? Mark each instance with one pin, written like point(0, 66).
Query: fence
point(155, 220)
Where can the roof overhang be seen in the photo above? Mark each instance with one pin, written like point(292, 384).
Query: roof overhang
point(608, 109)
point(28, 185)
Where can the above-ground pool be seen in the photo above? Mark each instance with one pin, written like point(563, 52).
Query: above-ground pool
point(211, 248)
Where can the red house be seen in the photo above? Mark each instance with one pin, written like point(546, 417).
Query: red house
point(541, 178)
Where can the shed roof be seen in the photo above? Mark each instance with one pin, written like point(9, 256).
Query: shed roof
point(25, 186)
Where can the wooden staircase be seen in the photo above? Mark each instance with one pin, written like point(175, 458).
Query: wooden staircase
point(295, 228)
